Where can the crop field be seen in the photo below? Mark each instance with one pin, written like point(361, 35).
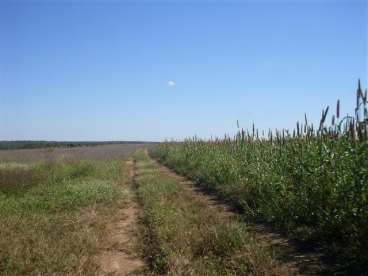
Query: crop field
point(284, 203)
point(99, 152)
point(311, 183)
point(183, 138)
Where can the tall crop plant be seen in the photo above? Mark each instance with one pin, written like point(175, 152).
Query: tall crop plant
point(312, 181)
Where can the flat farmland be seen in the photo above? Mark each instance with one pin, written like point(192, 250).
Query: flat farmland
point(100, 152)
point(60, 209)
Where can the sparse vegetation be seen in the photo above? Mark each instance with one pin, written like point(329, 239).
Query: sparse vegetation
point(312, 182)
point(53, 215)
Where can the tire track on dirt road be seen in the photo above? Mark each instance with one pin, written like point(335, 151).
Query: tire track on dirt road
point(119, 255)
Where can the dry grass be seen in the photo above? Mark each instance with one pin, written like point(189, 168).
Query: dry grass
point(53, 215)
point(183, 236)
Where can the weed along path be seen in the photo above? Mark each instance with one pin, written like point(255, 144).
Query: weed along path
point(299, 259)
point(118, 256)
point(188, 233)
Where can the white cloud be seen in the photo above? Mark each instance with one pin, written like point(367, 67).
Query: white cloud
point(171, 83)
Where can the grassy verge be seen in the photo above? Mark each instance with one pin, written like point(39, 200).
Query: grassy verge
point(183, 236)
point(53, 215)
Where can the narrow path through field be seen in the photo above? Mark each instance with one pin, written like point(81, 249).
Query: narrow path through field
point(186, 233)
point(118, 256)
point(299, 260)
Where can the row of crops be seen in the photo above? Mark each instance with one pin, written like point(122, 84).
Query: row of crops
point(311, 182)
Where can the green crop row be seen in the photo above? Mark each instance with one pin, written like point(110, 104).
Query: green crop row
point(312, 182)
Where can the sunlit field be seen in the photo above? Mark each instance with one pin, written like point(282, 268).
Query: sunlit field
point(55, 206)
point(311, 181)
point(183, 138)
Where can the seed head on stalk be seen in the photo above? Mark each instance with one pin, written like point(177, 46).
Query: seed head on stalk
point(323, 119)
point(297, 129)
point(359, 95)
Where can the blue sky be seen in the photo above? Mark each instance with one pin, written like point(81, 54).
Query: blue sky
point(100, 70)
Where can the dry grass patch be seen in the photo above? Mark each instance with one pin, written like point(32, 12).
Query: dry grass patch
point(53, 215)
point(183, 236)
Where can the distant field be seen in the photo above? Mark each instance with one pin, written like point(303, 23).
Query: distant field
point(100, 152)
point(10, 145)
